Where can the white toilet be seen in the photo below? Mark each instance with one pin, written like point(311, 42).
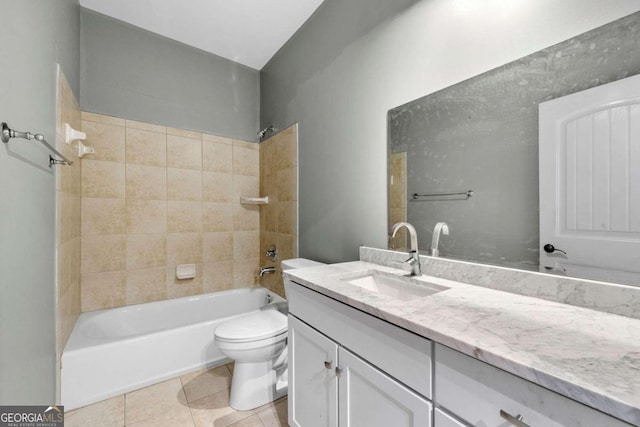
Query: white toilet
point(257, 342)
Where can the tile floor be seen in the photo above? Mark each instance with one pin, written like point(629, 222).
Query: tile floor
point(196, 399)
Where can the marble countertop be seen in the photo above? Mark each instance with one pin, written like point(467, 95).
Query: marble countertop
point(589, 356)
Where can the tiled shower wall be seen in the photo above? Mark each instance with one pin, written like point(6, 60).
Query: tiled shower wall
point(398, 198)
point(279, 218)
point(154, 197)
point(67, 220)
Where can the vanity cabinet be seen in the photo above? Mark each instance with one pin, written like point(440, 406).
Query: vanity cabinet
point(344, 367)
point(482, 395)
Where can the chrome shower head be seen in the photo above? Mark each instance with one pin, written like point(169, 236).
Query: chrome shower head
point(264, 131)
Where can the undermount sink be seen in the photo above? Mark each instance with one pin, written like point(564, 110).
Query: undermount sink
point(399, 287)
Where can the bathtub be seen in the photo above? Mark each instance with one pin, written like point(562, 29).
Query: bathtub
point(114, 351)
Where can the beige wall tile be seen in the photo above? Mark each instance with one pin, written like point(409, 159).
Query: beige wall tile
point(146, 126)
point(217, 247)
point(146, 216)
point(245, 186)
point(146, 285)
point(217, 157)
point(146, 182)
point(246, 144)
point(68, 310)
point(184, 217)
point(102, 179)
point(287, 148)
point(103, 290)
point(184, 248)
point(245, 161)
point(245, 272)
point(287, 246)
point(184, 152)
point(101, 118)
point(146, 251)
point(246, 244)
point(146, 148)
point(184, 133)
point(217, 187)
point(217, 276)
point(287, 218)
point(269, 217)
point(103, 216)
point(184, 184)
point(103, 253)
point(106, 139)
point(287, 183)
point(246, 217)
point(217, 217)
point(217, 138)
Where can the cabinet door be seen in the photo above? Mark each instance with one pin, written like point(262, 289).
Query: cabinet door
point(313, 385)
point(369, 398)
point(440, 419)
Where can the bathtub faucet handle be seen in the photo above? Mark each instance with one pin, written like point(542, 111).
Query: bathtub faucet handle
point(269, 299)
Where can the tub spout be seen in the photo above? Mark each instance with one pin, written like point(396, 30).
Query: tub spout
point(266, 270)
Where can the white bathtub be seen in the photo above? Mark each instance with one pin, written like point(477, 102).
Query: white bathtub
point(111, 352)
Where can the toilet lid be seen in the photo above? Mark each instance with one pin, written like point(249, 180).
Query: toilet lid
point(252, 327)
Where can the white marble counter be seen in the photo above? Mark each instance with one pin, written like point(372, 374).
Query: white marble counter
point(589, 356)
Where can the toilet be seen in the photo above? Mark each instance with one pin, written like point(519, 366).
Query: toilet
point(257, 342)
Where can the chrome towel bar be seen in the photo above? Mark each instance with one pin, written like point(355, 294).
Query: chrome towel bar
point(465, 195)
point(8, 133)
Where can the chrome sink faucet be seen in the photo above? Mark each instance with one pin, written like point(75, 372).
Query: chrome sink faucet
point(414, 259)
point(440, 228)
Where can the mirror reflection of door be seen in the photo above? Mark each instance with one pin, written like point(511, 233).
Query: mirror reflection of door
point(590, 183)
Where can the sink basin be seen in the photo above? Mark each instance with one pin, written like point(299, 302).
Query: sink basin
point(399, 287)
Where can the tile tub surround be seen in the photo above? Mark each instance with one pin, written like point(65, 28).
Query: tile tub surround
point(154, 197)
point(67, 222)
point(199, 398)
point(590, 356)
point(279, 218)
point(607, 297)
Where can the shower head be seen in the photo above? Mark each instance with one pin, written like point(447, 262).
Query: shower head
point(265, 131)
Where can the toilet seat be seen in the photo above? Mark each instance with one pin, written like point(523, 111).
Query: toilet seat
point(252, 327)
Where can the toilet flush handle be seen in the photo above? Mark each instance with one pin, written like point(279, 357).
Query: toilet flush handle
point(328, 364)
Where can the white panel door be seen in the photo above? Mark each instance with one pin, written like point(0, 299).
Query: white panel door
point(590, 182)
point(313, 385)
point(369, 398)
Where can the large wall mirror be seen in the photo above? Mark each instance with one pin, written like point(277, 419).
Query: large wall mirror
point(482, 135)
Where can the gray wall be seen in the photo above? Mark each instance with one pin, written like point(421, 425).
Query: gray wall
point(356, 59)
point(36, 35)
point(132, 73)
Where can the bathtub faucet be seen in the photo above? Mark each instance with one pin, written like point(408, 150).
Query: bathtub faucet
point(267, 270)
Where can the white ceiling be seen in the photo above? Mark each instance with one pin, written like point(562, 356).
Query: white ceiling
point(246, 31)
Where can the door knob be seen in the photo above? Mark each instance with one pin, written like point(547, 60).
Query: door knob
point(549, 248)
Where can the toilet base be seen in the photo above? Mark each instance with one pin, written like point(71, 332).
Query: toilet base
point(256, 384)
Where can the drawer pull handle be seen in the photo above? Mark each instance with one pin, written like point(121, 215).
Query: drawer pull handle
point(338, 372)
point(327, 364)
point(516, 421)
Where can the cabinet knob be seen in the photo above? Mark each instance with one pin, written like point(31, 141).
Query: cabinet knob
point(327, 364)
point(515, 421)
point(338, 372)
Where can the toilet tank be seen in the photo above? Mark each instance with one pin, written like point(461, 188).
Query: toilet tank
point(292, 264)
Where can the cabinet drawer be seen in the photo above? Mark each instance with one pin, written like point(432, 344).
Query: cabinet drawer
point(477, 392)
point(401, 354)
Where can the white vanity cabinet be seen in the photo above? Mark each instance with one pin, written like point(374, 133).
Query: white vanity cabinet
point(482, 395)
point(344, 367)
